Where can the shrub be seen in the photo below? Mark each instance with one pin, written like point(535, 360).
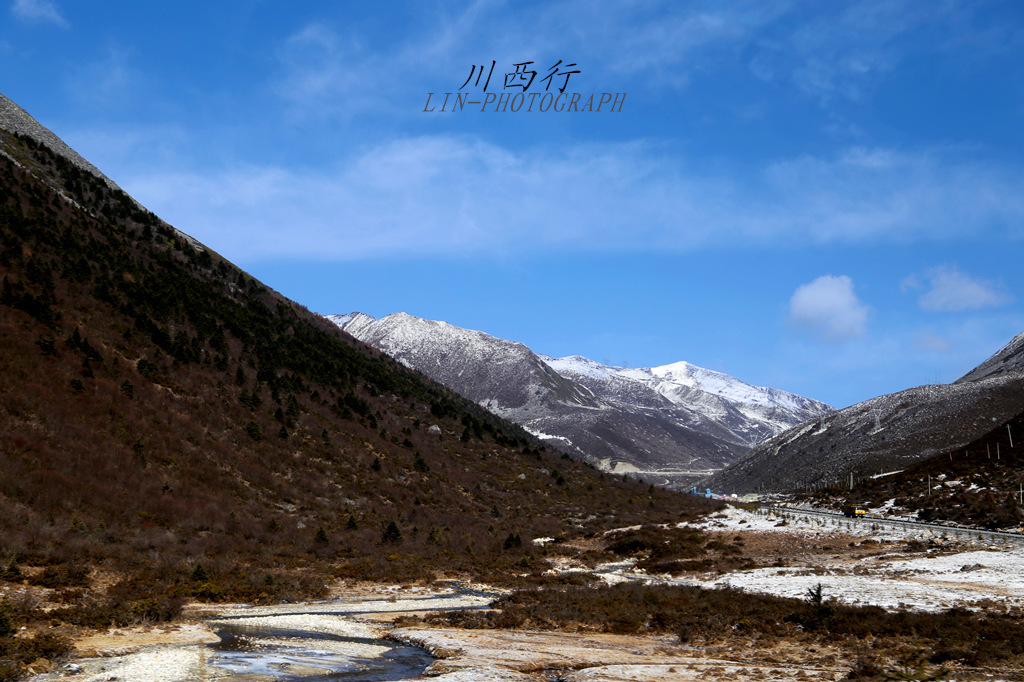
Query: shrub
point(392, 534)
point(199, 574)
point(64, 575)
point(7, 628)
point(254, 431)
point(10, 670)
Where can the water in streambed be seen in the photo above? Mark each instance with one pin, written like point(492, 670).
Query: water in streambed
point(254, 653)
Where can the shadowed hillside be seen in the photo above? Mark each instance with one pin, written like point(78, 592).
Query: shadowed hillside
point(887, 433)
point(172, 428)
point(979, 484)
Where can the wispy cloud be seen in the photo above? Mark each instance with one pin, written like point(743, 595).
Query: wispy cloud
point(41, 11)
point(829, 308)
point(108, 80)
point(324, 68)
point(841, 52)
point(662, 40)
point(841, 49)
point(879, 194)
point(950, 290)
point(890, 359)
point(323, 72)
point(930, 342)
point(829, 52)
point(405, 196)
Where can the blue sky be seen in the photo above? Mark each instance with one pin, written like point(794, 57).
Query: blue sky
point(822, 197)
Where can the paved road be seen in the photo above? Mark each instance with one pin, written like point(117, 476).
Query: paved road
point(878, 522)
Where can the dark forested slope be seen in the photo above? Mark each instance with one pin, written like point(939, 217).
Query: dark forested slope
point(170, 421)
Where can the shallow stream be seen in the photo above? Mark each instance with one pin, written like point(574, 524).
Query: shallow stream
point(254, 653)
point(326, 640)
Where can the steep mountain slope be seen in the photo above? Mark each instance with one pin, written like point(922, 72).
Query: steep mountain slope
point(483, 367)
point(169, 420)
point(887, 433)
point(668, 424)
point(1007, 360)
point(980, 484)
point(16, 120)
point(752, 412)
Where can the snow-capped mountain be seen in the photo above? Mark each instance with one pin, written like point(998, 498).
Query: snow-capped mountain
point(670, 424)
point(752, 412)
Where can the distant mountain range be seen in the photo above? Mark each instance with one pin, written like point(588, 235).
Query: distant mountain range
point(669, 425)
point(887, 433)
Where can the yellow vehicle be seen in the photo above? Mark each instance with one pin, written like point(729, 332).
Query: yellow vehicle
point(854, 510)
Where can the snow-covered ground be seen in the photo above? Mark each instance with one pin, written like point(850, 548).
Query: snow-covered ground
point(879, 570)
point(947, 574)
point(340, 634)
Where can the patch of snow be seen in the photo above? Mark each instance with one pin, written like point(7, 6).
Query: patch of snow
point(625, 468)
point(545, 436)
point(577, 364)
point(932, 582)
point(885, 507)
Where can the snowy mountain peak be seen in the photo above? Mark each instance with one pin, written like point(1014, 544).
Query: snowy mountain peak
point(675, 422)
point(677, 380)
point(342, 320)
point(577, 364)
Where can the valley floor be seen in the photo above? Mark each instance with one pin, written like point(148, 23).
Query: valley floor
point(858, 564)
point(853, 565)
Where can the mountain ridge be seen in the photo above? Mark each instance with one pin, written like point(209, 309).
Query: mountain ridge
point(16, 120)
point(162, 411)
point(653, 422)
point(1008, 359)
point(889, 432)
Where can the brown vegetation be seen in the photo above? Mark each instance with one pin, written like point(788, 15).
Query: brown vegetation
point(701, 616)
point(977, 485)
point(162, 411)
point(675, 551)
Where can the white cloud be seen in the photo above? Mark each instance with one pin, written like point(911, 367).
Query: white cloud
point(829, 308)
point(459, 195)
point(909, 283)
point(951, 290)
point(325, 72)
point(832, 52)
point(38, 11)
point(433, 195)
point(840, 52)
point(109, 80)
point(880, 195)
point(931, 342)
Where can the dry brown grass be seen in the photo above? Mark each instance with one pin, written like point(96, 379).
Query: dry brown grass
point(161, 409)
